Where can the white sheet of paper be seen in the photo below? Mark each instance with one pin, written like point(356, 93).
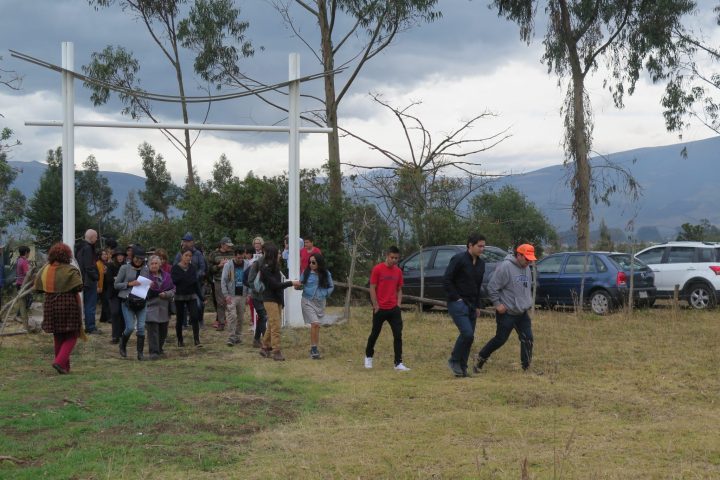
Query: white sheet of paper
point(142, 289)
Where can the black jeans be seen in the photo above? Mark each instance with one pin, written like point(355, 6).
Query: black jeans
point(506, 323)
point(394, 318)
point(192, 307)
point(261, 325)
point(116, 317)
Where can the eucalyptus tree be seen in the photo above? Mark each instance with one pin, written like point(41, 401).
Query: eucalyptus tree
point(132, 216)
point(218, 28)
point(97, 193)
point(693, 88)
point(160, 192)
point(12, 201)
point(628, 35)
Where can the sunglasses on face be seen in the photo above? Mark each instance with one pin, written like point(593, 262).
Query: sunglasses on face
point(313, 262)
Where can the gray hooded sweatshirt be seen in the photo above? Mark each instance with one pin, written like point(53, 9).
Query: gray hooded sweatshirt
point(511, 285)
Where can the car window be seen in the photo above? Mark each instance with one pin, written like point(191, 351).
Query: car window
point(652, 256)
point(681, 255)
point(623, 261)
point(705, 255)
point(550, 264)
point(575, 264)
point(492, 256)
point(442, 258)
point(717, 254)
point(600, 265)
point(413, 262)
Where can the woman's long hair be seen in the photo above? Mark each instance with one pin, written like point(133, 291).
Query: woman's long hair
point(270, 252)
point(321, 271)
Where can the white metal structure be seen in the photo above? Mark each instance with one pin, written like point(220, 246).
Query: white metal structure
point(293, 315)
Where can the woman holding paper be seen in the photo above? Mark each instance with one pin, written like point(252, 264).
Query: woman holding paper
point(133, 300)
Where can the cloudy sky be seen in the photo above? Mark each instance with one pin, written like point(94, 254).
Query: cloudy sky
point(468, 62)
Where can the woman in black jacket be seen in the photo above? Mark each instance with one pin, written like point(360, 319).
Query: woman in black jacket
point(273, 299)
point(184, 277)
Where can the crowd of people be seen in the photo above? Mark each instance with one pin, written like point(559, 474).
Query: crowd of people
point(139, 291)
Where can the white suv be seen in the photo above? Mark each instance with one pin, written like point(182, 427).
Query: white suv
point(694, 266)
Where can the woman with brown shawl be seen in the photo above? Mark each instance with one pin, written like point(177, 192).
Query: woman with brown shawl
point(62, 315)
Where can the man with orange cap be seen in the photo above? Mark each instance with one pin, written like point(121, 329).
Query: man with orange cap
point(510, 290)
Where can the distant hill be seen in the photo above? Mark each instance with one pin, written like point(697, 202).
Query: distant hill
point(675, 190)
point(29, 174)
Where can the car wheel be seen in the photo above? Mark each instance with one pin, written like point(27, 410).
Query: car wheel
point(600, 302)
point(700, 296)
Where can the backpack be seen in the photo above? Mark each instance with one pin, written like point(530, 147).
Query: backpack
point(254, 281)
point(258, 285)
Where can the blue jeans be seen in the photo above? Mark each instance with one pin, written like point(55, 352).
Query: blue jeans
point(506, 323)
point(90, 298)
point(131, 316)
point(464, 317)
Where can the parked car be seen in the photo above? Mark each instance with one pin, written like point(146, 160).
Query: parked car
point(607, 280)
point(694, 266)
point(435, 260)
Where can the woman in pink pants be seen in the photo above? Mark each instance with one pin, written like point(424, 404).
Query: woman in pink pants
point(62, 315)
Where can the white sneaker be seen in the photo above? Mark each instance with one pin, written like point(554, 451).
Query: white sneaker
point(368, 362)
point(401, 368)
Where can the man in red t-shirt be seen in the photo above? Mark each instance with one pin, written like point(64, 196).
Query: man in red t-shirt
point(386, 281)
point(305, 253)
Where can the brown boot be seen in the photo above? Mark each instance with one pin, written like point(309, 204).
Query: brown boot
point(278, 356)
point(265, 352)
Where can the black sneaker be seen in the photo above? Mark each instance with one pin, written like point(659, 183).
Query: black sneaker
point(479, 362)
point(456, 368)
point(314, 353)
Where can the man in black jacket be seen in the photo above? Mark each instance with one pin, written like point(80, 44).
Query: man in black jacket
point(462, 281)
point(85, 256)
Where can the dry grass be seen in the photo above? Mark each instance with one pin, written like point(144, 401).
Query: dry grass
point(620, 397)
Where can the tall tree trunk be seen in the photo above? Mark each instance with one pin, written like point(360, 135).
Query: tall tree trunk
point(183, 103)
point(331, 107)
point(581, 177)
point(578, 138)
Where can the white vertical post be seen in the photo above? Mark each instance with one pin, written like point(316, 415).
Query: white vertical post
point(293, 313)
point(68, 144)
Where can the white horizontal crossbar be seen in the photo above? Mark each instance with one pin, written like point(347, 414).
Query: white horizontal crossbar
point(181, 126)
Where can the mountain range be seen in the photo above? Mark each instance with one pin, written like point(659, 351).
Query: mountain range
point(678, 184)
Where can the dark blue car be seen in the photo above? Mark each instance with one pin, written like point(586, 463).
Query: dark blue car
point(607, 280)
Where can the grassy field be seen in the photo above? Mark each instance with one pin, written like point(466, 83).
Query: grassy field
point(619, 397)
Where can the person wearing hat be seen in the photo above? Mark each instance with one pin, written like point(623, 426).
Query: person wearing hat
point(510, 290)
point(216, 262)
point(117, 260)
point(134, 309)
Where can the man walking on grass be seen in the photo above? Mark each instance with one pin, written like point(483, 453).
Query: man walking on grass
point(85, 256)
point(510, 291)
point(386, 281)
point(462, 280)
